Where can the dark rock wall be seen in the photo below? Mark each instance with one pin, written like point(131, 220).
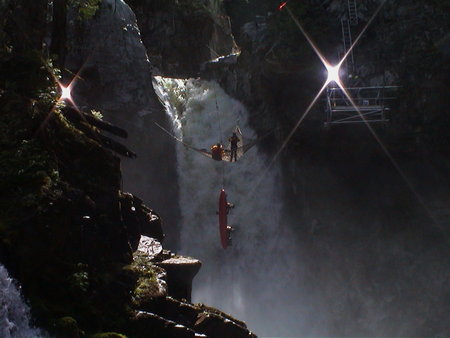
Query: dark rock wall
point(180, 36)
point(115, 77)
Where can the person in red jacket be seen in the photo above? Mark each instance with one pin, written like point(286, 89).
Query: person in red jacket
point(217, 152)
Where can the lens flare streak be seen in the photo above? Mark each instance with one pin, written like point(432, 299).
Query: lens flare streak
point(362, 32)
point(310, 41)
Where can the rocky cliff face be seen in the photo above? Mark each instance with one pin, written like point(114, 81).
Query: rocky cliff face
point(115, 76)
point(180, 36)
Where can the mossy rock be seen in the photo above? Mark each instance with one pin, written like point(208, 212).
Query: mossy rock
point(147, 285)
point(68, 327)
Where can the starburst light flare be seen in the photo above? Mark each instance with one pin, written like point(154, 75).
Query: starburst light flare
point(333, 76)
point(310, 41)
point(65, 96)
point(65, 93)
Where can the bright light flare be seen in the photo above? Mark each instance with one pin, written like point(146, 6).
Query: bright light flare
point(333, 74)
point(65, 93)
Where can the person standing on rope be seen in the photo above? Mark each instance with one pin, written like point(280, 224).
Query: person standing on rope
point(217, 152)
point(234, 140)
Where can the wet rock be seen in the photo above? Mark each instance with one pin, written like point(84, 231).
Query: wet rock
point(180, 273)
point(151, 279)
point(146, 324)
point(216, 326)
point(173, 309)
point(139, 220)
point(201, 319)
point(150, 247)
point(180, 36)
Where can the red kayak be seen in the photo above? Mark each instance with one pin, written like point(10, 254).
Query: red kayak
point(223, 219)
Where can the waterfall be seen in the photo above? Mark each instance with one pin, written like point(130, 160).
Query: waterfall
point(251, 279)
point(14, 313)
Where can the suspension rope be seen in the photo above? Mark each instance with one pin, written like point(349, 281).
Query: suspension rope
point(220, 118)
point(221, 139)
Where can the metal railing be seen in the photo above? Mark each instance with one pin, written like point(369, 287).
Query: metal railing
point(367, 104)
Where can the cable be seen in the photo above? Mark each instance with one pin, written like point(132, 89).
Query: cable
point(221, 139)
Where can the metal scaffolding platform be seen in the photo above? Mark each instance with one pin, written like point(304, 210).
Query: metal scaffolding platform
point(370, 104)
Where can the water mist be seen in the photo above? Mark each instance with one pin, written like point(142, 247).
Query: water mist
point(250, 280)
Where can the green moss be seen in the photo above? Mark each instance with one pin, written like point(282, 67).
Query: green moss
point(147, 284)
point(67, 327)
point(79, 280)
point(28, 172)
point(86, 8)
point(47, 169)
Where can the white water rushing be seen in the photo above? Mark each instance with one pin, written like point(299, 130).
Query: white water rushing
point(14, 313)
point(250, 279)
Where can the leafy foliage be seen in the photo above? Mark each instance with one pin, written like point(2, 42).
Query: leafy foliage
point(86, 8)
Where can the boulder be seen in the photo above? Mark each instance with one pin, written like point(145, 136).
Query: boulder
point(216, 326)
point(146, 324)
point(139, 220)
point(180, 273)
point(150, 247)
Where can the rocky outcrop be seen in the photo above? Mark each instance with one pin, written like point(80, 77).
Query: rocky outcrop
point(162, 298)
point(180, 36)
point(180, 272)
point(139, 220)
